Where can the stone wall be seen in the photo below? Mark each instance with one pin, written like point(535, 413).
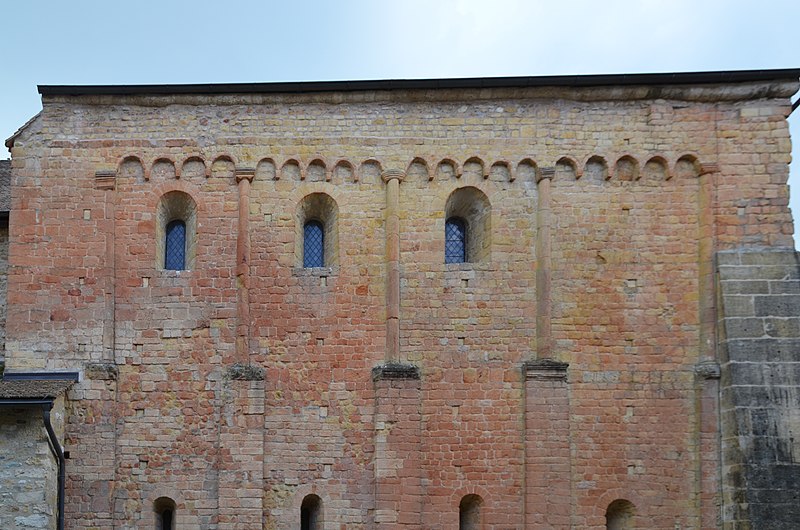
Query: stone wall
point(28, 470)
point(635, 195)
point(760, 399)
point(3, 291)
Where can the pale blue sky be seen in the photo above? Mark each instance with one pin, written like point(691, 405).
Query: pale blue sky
point(200, 41)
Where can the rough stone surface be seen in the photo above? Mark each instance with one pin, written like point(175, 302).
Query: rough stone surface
point(645, 186)
point(28, 469)
point(760, 392)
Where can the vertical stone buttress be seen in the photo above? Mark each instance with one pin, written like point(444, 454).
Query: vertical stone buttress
point(241, 437)
point(547, 433)
point(544, 346)
point(244, 177)
point(707, 369)
point(392, 178)
point(398, 426)
point(760, 388)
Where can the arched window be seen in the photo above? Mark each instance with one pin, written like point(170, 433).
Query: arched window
point(469, 512)
point(175, 246)
point(317, 232)
point(455, 240)
point(619, 515)
point(176, 232)
point(313, 244)
point(468, 226)
point(165, 513)
point(311, 513)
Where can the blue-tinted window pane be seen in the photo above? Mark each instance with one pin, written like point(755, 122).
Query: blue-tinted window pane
point(175, 246)
point(313, 245)
point(455, 241)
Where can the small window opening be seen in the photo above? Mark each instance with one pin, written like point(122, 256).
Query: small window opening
point(619, 515)
point(468, 226)
point(176, 232)
point(469, 513)
point(455, 240)
point(313, 244)
point(165, 513)
point(175, 246)
point(311, 513)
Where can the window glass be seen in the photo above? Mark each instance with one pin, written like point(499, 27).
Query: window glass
point(175, 246)
point(455, 241)
point(313, 245)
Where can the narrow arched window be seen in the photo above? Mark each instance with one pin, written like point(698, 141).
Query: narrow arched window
point(313, 244)
point(165, 513)
point(311, 513)
point(619, 515)
point(175, 246)
point(469, 512)
point(455, 241)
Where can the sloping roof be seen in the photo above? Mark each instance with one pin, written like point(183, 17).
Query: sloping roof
point(683, 78)
point(5, 185)
point(33, 388)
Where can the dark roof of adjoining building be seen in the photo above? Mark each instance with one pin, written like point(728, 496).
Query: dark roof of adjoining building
point(32, 388)
point(5, 185)
point(683, 78)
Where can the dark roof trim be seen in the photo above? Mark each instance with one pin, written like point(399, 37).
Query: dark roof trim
point(686, 78)
point(25, 402)
point(41, 376)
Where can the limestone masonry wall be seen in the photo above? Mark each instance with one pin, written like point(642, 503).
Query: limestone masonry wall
point(241, 386)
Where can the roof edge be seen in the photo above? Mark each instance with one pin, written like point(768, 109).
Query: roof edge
point(593, 80)
point(10, 140)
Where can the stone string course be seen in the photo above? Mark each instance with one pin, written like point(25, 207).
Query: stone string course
point(629, 222)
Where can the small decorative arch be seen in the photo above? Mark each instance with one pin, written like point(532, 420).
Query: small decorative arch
point(447, 168)
point(164, 510)
point(290, 170)
point(688, 166)
point(596, 169)
point(469, 512)
point(527, 170)
point(163, 169)
point(193, 166)
point(470, 206)
point(475, 167)
point(223, 167)
point(343, 171)
point(176, 231)
point(501, 172)
point(418, 170)
point(656, 169)
point(369, 171)
point(317, 216)
point(266, 170)
point(627, 168)
point(620, 515)
point(566, 169)
point(311, 513)
point(316, 171)
point(132, 168)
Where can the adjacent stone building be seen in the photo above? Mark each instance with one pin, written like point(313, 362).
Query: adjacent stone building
point(542, 302)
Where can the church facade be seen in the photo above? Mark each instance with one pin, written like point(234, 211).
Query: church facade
point(505, 303)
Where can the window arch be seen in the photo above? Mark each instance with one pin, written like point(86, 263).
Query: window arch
point(311, 513)
point(317, 236)
point(619, 515)
point(468, 225)
point(176, 231)
point(455, 240)
point(469, 512)
point(164, 508)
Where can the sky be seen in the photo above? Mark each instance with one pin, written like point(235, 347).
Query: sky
point(53, 42)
